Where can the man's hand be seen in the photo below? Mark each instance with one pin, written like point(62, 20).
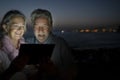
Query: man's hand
point(48, 67)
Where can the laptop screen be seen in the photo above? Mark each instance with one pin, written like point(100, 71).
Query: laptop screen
point(36, 51)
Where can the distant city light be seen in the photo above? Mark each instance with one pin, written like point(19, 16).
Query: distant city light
point(62, 31)
point(82, 30)
point(87, 30)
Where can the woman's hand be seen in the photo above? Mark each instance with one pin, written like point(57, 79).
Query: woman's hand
point(16, 65)
point(19, 62)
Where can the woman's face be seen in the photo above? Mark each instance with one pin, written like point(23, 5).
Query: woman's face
point(16, 28)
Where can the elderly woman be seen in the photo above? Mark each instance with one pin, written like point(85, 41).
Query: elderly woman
point(13, 27)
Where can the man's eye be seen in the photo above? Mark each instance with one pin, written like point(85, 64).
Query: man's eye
point(15, 26)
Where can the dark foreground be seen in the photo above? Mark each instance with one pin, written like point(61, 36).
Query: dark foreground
point(97, 63)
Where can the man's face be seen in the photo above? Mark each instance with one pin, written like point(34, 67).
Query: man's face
point(16, 28)
point(41, 29)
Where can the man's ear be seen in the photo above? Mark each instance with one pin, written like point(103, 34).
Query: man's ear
point(5, 27)
point(50, 29)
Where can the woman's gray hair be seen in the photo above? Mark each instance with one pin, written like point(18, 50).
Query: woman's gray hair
point(37, 13)
point(9, 15)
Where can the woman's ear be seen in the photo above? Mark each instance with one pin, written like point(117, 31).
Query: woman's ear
point(5, 27)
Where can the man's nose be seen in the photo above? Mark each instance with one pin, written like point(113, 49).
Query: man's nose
point(41, 29)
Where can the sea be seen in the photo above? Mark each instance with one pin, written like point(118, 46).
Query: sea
point(89, 40)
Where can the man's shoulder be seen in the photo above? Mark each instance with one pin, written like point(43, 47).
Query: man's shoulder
point(59, 39)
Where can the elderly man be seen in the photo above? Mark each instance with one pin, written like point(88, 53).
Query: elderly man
point(42, 26)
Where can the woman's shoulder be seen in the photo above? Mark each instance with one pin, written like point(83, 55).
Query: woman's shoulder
point(2, 54)
point(5, 41)
point(5, 62)
point(5, 37)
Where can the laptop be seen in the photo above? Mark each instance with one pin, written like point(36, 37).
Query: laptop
point(37, 52)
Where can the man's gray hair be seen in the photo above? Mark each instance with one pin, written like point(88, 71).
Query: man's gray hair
point(41, 13)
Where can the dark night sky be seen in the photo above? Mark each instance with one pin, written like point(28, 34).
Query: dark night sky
point(70, 12)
